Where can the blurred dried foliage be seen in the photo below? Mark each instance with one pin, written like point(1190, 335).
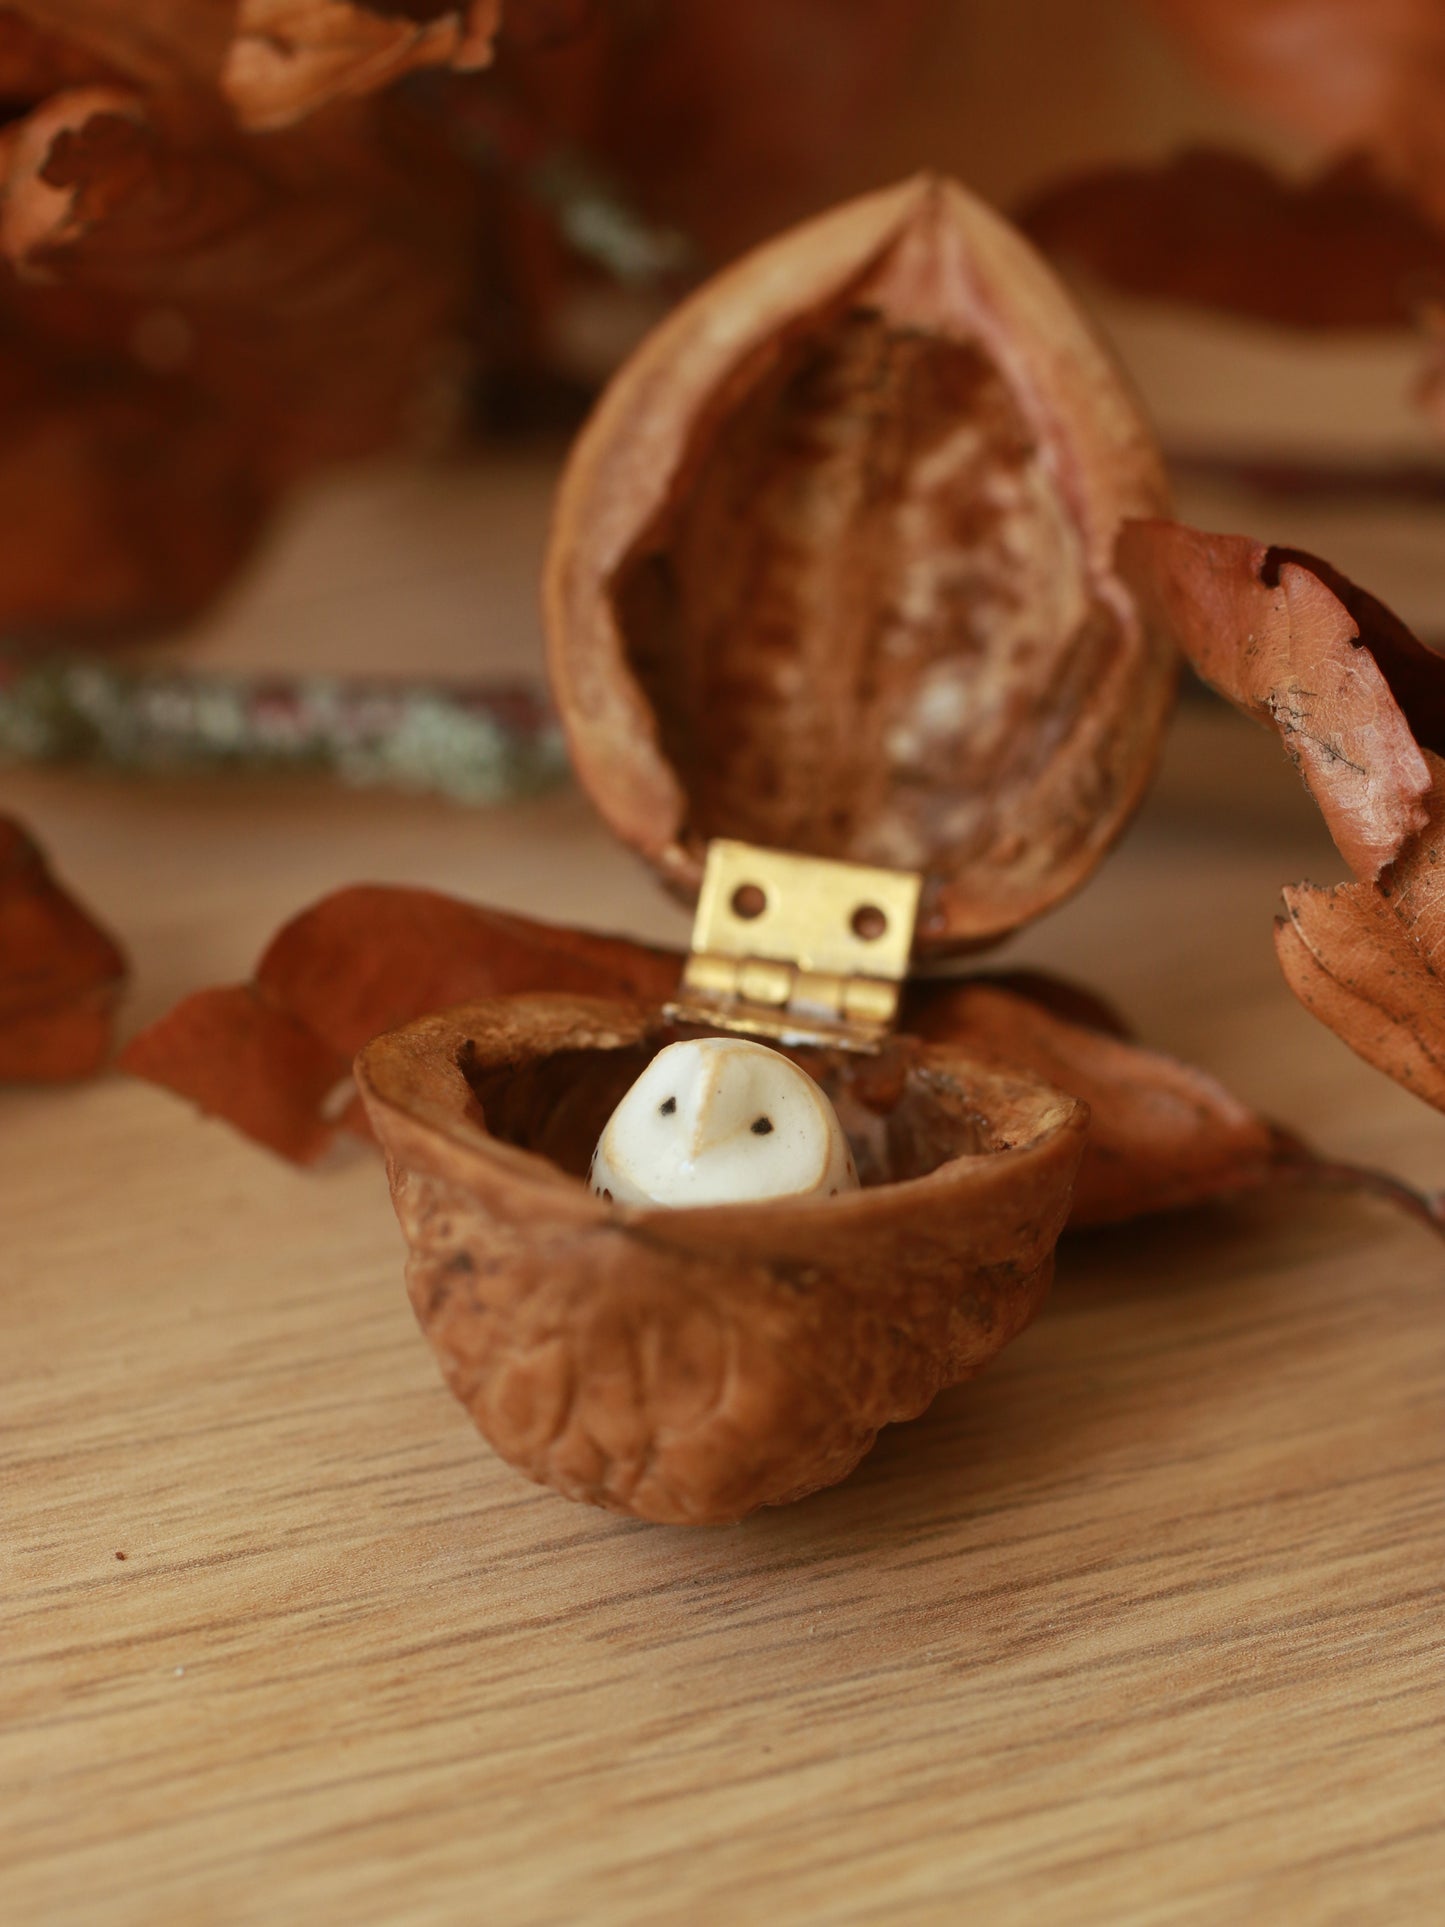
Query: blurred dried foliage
point(1364, 76)
point(1360, 245)
point(233, 247)
point(194, 317)
point(60, 974)
point(1221, 230)
point(286, 58)
point(230, 255)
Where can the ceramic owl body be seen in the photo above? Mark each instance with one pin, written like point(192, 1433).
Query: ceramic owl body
point(715, 1120)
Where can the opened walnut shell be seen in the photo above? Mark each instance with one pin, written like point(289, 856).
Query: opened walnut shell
point(832, 570)
point(691, 1365)
point(858, 558)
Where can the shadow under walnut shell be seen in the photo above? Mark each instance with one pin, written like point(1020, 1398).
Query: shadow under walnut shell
point(687, 1365)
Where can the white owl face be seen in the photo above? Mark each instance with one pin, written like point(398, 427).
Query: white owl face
point(717, 1120)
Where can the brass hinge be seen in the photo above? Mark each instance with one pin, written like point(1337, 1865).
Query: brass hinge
point(797, 948)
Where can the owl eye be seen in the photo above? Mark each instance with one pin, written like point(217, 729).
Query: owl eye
point(761, 1126)
point(668, 1106)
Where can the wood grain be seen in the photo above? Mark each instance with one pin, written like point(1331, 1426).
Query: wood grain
point(1143, 1626)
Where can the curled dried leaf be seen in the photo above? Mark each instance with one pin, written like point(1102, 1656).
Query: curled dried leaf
point(1359, 703)
point(273, 1057)
point(289, 57)
point(832, 570)
point(1368, 959)
point(1219, 230)
point(1290, 642)
point(691, 1365)
point(60, 974)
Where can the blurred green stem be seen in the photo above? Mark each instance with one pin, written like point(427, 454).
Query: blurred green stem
point(475, 745)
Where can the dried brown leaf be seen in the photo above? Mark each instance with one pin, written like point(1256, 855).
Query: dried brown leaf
point(1359, 704)
point(194, 320)
point(1220, 230)
point(36, 59)
point(1162, 1135)
point(1368, 959)
point(305, 279)
point(290, 57)
point(1355, 74)
point(121, 496)
point(165, 45)
point(60, 974)
point(273, 1057)
point(1290, 642)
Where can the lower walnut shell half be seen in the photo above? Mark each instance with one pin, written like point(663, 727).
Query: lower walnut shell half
point(691, 1365)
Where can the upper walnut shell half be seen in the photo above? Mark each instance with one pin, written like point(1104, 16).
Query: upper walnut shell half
point(689, 1365)
point(832, 569)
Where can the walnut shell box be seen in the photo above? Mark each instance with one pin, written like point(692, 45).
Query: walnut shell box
point(831, 577)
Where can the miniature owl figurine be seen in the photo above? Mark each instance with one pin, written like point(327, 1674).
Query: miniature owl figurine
point(719, 1120)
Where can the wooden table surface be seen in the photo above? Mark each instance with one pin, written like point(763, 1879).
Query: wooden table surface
point(1145, 1625)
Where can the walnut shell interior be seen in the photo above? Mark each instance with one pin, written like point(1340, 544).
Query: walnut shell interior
point(690, 1365)
point(903, 1117)
point(833, 569)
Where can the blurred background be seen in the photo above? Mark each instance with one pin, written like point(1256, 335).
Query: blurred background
point(280, 269)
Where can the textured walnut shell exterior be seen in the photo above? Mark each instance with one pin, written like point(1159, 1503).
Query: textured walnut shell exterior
point(832, 569)
point(688, 1366)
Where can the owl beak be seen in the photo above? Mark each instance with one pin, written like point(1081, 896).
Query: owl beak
point(706, 1126)
point(713, 1118)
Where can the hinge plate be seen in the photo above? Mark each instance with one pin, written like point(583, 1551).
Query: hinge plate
point(801, 949)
